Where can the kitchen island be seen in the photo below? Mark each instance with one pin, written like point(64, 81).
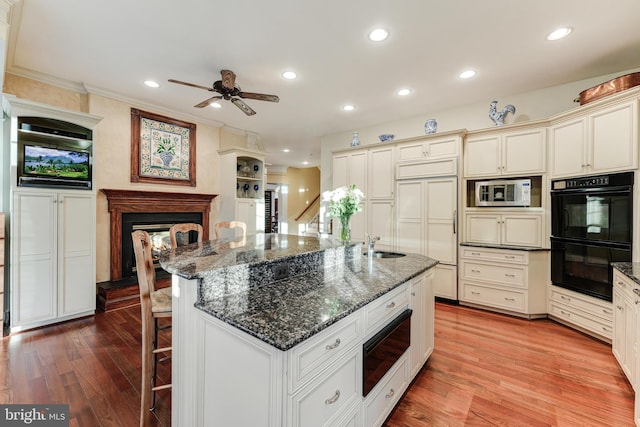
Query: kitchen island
point(269, 330)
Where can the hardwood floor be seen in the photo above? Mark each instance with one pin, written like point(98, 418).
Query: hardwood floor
point(487, 369)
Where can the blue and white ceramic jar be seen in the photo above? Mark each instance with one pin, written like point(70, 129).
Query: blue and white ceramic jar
point(430, 126)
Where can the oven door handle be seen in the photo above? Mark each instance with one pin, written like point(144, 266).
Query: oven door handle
point(566, 220)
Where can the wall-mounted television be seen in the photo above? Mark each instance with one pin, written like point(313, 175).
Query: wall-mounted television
point(47, 158)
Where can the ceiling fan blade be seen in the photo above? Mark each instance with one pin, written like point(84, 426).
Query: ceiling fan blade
point(190, 84)
point(228, 79)
point(207, 101)
point(244, 107)
point(259, 96)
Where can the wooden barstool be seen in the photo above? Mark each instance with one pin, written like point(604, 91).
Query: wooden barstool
point(231, 224)
point(174, 230)
point(154, 304)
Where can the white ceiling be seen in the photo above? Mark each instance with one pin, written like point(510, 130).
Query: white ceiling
point(113, 46)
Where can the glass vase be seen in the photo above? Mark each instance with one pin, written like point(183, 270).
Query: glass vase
point(345, 229)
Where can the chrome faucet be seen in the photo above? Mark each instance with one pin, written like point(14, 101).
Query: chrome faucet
point(372, 242)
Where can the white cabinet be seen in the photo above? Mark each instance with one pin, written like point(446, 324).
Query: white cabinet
point(624, 343)
point(251, 212)
point(350, 168)
point(506, 280)
point(509, 229)
point(590, 315)
point(505, 152)
point(422, 320)
point(242, 198)
point(427, 224)
point(600, 139)
point(372, 171)
point(53, 256)
point(429, 147)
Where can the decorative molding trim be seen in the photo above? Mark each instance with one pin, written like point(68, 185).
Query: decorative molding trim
point(15, 106)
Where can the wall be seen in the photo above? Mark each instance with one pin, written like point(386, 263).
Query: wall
point(112, 151)
point(536, 105)
point(303, 185)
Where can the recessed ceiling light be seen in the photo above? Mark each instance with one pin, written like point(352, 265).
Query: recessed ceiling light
point(151, 83)
point(403, 92)
point(289, 75)
point(216, 105)
point(378, 35)
point(558, 34)
point(305, 163)
point(467, 74)
point(286, 150)
point(348, 107)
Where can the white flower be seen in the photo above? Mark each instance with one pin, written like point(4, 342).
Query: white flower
point(343, 201)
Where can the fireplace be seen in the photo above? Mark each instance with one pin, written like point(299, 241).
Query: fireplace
point(157, 225)
point(152, 211)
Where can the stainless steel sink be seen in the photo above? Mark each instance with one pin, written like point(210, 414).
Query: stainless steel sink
point(383, 254)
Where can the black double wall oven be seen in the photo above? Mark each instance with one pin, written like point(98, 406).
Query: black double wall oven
point(591, 227)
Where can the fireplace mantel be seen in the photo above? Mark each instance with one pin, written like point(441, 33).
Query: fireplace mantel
point(128, 201)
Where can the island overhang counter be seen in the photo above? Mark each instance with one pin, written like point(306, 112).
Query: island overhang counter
point(250, 318)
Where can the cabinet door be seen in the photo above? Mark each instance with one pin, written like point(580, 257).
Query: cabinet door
point(619, 333)
point(358, 224)
point(358, 171)
point(483, 228)
point(418, 325)
point(33, 290)
point(76, 261)
point(522, 230)
point(445, 281)
point(411, 151)
point(567, 147)
point(524, 152)
point(246, 211)
point(381, 176)
point(340, 170)
point(381, 220)
point(482, 156)
point(440, 209)
point(613, 138)
point(410, 202)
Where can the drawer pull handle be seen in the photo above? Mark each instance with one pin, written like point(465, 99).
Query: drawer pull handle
point(391, 304)
point(565, 313)
point(605, 311)
point(619, 307)
point(334, 345)
point(565, 298)
point(605, 329)
point(390, 394)
point(636, 291)
point(333, 399)
point(475, 293)
point(475, 253)
point(510, 257)
point(475, 271)
point(509, 299)
point(509, 275)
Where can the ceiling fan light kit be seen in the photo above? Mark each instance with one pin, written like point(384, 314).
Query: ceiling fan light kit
point(229, 91)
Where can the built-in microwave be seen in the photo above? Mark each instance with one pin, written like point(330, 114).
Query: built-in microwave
point(503, 192)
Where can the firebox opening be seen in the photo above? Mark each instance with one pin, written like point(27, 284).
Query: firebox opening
point(157, 225)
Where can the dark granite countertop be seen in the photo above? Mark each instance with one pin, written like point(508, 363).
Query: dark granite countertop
point(284, 313)
point(510, 247)
point(629, 269)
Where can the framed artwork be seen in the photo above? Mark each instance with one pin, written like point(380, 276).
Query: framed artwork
point(163, 150)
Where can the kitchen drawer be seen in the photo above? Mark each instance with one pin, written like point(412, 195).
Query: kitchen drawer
point(502, 255)
point(444, 167)
point(379, 312)
point(592, 306)
point(582, 319)
point(310, 357)
point(323, 401)
point(386, 393)
point(499, 298)
point(506, 275)
point(625, 284)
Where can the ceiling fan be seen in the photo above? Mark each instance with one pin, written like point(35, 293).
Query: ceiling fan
point(228, 90)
